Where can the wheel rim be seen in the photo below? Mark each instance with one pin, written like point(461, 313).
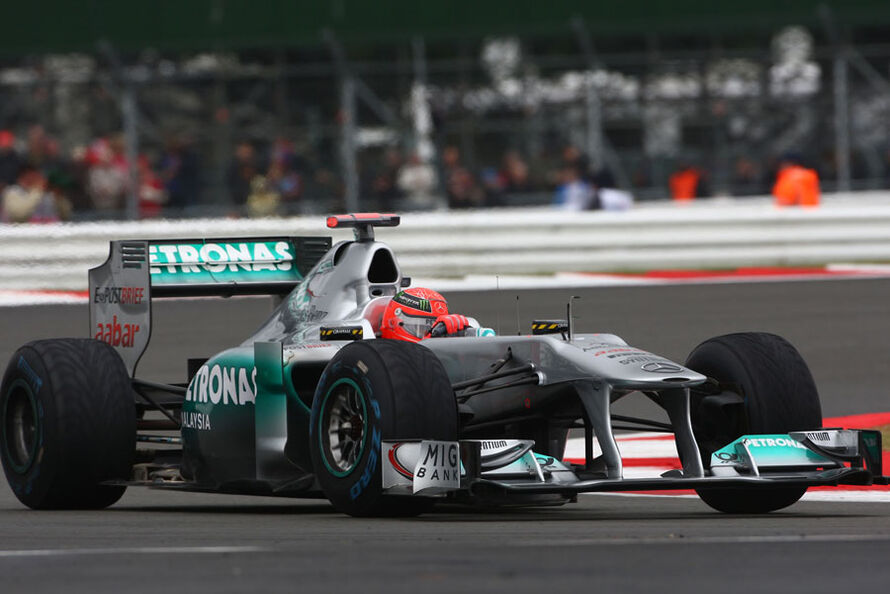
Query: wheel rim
point(20, 430)
point(343, 427)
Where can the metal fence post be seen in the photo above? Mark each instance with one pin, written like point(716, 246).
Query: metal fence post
point(841, 120)
point(131, 139)
point(347, 142)
point(594, 125)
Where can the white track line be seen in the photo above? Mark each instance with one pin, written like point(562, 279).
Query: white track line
point(131, 551)
point(672, 540)
point(854, 495)
point(10, 298)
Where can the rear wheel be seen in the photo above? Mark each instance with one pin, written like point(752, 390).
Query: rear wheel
point(766, 387)
point(373, 391)
point(68, 424)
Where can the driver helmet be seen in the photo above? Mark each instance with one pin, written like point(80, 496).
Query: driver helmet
point(411, 314)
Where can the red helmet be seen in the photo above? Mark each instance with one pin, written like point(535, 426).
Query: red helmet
point(411, 314)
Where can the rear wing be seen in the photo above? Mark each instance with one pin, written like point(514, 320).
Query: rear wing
point(137, 271)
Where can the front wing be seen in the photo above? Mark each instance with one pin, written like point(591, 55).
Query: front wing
point(503, 469)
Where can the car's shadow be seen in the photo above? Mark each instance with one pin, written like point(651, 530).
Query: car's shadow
point(454, 513)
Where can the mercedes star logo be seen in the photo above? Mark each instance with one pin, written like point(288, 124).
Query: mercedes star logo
point(661, 367)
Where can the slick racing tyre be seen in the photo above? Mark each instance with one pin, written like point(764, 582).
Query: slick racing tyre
point(67, 424)
point(373, 391)
point(778, 395)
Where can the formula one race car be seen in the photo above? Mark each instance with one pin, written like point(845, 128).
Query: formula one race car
point(315, 404)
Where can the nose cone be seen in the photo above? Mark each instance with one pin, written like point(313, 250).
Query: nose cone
point(658, 373)
point(629, 367)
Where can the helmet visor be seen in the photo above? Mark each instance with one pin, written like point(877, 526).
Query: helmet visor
point(416, 325)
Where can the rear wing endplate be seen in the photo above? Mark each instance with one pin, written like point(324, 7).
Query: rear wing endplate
point(137, 271)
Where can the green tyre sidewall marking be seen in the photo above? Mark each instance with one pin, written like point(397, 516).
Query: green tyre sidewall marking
point(323, 434)
point(32, 454)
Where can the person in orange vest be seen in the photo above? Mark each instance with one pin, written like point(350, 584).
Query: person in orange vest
point(686, 183)
point(796, 185)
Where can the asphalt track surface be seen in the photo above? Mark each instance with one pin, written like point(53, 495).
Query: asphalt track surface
point(159, 541)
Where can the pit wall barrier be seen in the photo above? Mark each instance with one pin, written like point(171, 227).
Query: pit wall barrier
point(705, 234)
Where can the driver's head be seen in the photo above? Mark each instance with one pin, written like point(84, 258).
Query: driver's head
point(411, 314)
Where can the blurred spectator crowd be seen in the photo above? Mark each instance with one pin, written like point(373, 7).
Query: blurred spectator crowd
point(40, 183)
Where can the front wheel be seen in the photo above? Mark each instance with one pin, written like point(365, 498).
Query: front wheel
point(777, 393)
point(373, 391)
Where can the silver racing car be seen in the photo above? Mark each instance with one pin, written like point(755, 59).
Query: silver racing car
point(316, 404)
